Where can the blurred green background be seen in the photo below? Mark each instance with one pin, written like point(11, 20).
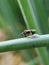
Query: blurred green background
point(19, 15)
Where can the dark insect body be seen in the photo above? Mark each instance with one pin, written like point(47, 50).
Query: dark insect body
point(28, 32)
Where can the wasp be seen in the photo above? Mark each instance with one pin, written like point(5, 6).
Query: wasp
point(28, 32)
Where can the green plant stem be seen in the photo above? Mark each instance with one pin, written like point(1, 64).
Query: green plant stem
point(23, 43)
point(36, 21)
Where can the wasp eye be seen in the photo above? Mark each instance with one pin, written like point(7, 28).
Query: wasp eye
point(33, 31)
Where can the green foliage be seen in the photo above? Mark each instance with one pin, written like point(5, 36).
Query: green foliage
point(17, 15)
